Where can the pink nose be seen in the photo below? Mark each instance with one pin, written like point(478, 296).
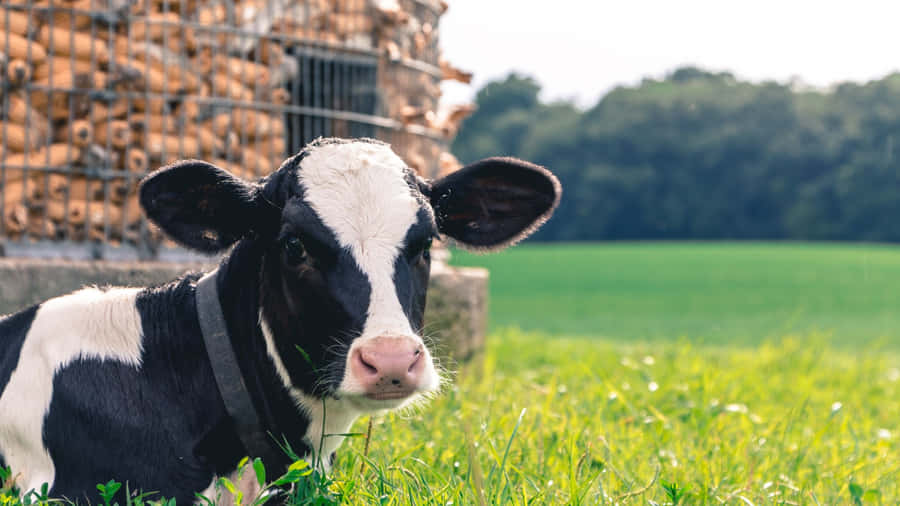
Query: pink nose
point(388, 367)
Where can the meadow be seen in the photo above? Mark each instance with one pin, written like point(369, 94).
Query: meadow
point(724, 293)
point(654, 374)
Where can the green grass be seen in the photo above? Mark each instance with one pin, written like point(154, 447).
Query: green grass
point(786, 421)
point(709, 292)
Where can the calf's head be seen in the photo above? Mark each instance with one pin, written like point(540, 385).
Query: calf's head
point(343, 232)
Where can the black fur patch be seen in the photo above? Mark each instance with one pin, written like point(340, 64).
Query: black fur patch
point(140, 432)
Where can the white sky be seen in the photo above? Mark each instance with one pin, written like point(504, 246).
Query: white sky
point(580, 49)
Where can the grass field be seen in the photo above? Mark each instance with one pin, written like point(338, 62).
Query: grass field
point(586, 421)
point(657, 374)
point(709, 292)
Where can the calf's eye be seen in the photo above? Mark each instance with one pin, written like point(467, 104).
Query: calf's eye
point(294, 251)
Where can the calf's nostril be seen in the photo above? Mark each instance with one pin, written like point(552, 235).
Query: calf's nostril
point(415, 362)
point(369, 367)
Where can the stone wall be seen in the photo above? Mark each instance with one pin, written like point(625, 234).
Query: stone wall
point(455, 316)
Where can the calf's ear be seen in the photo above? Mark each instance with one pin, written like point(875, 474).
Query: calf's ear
point(494, 203)
point(199, 205)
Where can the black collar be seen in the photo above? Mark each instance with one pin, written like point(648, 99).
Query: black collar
point(229, 379)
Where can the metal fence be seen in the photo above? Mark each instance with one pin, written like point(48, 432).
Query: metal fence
point(97, 93)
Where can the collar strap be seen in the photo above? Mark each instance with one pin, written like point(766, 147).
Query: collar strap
point(229, 379)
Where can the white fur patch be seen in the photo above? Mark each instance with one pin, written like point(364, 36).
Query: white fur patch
point(360, 192)
point(90, 323)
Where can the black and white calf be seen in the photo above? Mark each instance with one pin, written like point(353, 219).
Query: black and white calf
point(322, 293)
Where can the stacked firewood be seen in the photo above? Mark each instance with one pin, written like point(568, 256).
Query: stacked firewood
point(95, 93)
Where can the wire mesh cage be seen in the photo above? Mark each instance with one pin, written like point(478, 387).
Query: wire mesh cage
point(97, 93)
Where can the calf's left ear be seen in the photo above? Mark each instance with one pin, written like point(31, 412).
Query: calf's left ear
point(200, 205)
point(494, 203)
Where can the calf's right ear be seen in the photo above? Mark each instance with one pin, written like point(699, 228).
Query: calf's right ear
point(199, 205)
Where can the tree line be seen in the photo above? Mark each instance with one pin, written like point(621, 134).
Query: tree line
point(704, 155)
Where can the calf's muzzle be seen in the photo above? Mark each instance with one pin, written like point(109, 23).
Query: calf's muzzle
point(389, 367)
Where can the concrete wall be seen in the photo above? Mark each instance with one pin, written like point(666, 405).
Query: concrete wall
point(455, 316)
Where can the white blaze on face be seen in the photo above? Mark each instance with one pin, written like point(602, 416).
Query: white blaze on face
point(359, 191)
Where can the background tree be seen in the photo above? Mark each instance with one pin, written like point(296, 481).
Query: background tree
point(703, 155)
